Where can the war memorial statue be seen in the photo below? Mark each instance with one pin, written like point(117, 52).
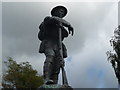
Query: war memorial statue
point(52, 33)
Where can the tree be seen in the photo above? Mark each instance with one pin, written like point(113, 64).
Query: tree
point(21, 75)
point(114, 56)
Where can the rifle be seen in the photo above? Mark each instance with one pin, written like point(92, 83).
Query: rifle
point(64, 78)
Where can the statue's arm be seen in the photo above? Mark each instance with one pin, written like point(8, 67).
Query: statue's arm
point(57, 20)
point(50, 20)
point(64, 23)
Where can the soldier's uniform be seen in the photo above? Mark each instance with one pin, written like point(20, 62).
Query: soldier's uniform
point(49, 35)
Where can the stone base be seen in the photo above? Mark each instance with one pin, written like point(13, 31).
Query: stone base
point(54, 87)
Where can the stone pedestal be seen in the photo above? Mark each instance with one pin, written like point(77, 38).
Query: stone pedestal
point(54, 87)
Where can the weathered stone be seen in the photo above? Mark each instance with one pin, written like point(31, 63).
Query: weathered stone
point(54, 87)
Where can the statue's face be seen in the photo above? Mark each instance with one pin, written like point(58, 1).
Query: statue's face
point(60, 13)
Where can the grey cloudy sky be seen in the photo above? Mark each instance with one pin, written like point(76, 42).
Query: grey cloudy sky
point(93, 22)
point(0, 41)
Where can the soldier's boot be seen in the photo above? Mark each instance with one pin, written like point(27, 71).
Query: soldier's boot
point(47, 70)
point(48, 81)
point(55, 79)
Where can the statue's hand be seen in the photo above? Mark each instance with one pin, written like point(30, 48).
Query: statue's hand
point(71, 30)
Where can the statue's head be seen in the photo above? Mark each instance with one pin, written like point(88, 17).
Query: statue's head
point(59, 11)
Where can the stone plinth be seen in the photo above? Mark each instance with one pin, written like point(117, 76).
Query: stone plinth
point(54, 87)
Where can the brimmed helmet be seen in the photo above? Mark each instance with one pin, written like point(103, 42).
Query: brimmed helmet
point(57, 8)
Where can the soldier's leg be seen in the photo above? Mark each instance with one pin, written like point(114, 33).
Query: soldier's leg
point(56, 69)
point(57, 62)
point(56, 75)
point(47, 69)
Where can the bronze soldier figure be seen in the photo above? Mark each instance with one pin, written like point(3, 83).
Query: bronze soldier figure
point(49, 35)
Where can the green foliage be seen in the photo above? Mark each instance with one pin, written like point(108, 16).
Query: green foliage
point(114, 56)
point(21, 75)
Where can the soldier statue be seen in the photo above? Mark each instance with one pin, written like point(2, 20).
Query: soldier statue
point(49, 37)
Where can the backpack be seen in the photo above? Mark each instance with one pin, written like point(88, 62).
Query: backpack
point(41, 32)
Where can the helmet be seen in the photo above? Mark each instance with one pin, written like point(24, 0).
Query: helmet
point(57, 8)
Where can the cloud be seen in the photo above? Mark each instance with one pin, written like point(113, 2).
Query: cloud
point(20, 26)
point(119, 12)
point(93, 24)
